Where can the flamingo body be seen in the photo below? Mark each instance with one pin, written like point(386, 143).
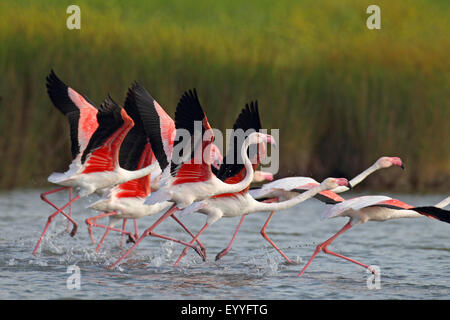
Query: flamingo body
point(379, 208)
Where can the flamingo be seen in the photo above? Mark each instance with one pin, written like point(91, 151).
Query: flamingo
point(242, 204)
point(125, 201)
point(374, 208)
point(82, 117)
point(97, 168)
point(248, 121)
point(287, 188)
point(188, 182)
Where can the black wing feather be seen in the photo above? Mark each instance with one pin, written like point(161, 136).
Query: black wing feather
point(434, 212)
point(135, 141)
point(151, 123)
point(59, 95)
point(188, 111)
point(109, 120)
point(249, 121)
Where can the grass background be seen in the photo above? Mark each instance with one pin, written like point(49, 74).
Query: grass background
point(341, 94)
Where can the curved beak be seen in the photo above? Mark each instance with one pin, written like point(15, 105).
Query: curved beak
point(402, 166)
point(350, 186)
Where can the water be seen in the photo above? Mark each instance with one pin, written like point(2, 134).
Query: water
point(413, 255)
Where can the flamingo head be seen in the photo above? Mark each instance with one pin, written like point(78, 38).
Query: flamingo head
point(258, 137)
point(216, 156)
point(260, 176)
point(331, 183)
point(386, 162)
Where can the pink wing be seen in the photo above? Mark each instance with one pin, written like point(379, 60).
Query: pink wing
point(354, 204)
point(158, 125)
point(81, 113)
point(102, 152)
point(138, 187)
point(88, 118)
point(167, 127)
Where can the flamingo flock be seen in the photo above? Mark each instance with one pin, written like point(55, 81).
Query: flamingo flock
point(141, 162)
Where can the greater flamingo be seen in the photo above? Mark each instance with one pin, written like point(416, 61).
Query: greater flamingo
point(188, 182)
point(242, 203)
point(98, 168)
point(287, 188)
point(126, 201)
point(374, 208)
point(82, 117)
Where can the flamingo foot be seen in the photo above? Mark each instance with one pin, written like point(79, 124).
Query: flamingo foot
point(372, 270)
point(221, 254)
point(74, 230)
point(131, 239)
point(201, 252)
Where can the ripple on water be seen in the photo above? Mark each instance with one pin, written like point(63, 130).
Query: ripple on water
point(413, 263)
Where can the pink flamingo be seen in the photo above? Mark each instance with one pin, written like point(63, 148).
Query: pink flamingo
point(242, 203)
point(98, 168)
point(287, 188)
point(374, 208)
point(186, 182)
point(82, 117)
point(126, 200)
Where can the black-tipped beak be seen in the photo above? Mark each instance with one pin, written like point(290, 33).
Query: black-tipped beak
point(350, 186)
point(402, 166)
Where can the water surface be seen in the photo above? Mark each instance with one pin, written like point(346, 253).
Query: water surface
point(413, 255)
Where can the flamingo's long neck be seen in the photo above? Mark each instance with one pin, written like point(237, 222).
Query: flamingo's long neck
point(244, 183)
point(277, 206)
point(443, 203)
point(356, 180)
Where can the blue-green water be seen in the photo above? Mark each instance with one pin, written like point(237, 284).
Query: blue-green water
point(413, 256)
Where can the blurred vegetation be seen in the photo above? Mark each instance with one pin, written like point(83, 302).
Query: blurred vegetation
point(341, 94)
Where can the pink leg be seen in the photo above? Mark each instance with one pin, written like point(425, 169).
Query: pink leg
point(123, 228)
point(44, 198)
point(185, 250)
point(94, 219)
point(50, 219)
point(227, 249)
point(108, 228)
point(202, 247)
point(70, 209)
point(136, 231)
point(102, 239)
point(200, 253)
point(167, 214)
point(324, 246)
point(263, 233)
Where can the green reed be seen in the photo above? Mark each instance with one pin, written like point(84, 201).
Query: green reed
point(342, 95)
